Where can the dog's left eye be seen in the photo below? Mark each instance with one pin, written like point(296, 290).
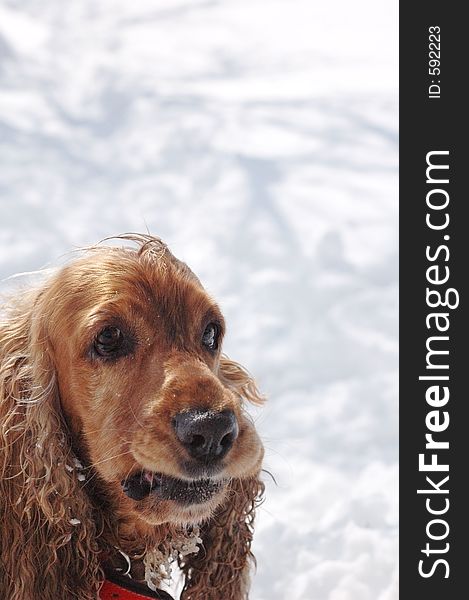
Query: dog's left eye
point(210, 336)
point(109, 342)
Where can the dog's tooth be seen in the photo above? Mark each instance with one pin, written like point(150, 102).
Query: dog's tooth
point(148, 476)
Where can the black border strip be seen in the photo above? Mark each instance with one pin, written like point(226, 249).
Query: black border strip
point(433, 119)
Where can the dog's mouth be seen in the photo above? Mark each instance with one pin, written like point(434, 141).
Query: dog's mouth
point(184, 492)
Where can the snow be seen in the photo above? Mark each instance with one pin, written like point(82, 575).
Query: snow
point(259, 139)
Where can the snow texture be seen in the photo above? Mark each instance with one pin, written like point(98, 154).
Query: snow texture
point(259, 139)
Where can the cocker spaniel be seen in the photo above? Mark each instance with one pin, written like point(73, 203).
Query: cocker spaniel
point(125, 447)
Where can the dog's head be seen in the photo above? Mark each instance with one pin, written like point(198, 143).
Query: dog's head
point(152, 404)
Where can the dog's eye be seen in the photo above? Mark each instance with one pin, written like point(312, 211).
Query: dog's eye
point(109, 342)
point(210, 336)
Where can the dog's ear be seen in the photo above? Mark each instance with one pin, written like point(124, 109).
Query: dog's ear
point(48, 545)
point(221, 569)
point(238, 380)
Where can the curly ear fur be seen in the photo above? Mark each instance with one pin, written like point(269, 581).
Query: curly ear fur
point(40, 499)
point(221, 569)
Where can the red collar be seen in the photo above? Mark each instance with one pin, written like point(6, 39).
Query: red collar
point(114, 591)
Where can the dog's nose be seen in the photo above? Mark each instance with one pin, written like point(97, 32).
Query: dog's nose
point(206, 435)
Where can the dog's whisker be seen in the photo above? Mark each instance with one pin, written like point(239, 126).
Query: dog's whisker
point(100, 462)
point(271, 475)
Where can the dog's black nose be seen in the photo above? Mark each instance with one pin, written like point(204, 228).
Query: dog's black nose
point(207, 435)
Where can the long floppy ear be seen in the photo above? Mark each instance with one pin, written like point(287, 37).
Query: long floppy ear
point(47, 545)
point(239, 380)
point(221, 569)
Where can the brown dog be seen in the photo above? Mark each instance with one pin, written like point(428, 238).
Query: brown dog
point(123, 435)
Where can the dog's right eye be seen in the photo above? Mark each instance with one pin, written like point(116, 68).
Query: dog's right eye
point(109, 342)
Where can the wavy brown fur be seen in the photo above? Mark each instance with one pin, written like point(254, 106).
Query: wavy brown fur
point(221, 568)
point(44, 552)
point(41, 551)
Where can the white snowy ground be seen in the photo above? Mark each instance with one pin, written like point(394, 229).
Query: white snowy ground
point(259, 139)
